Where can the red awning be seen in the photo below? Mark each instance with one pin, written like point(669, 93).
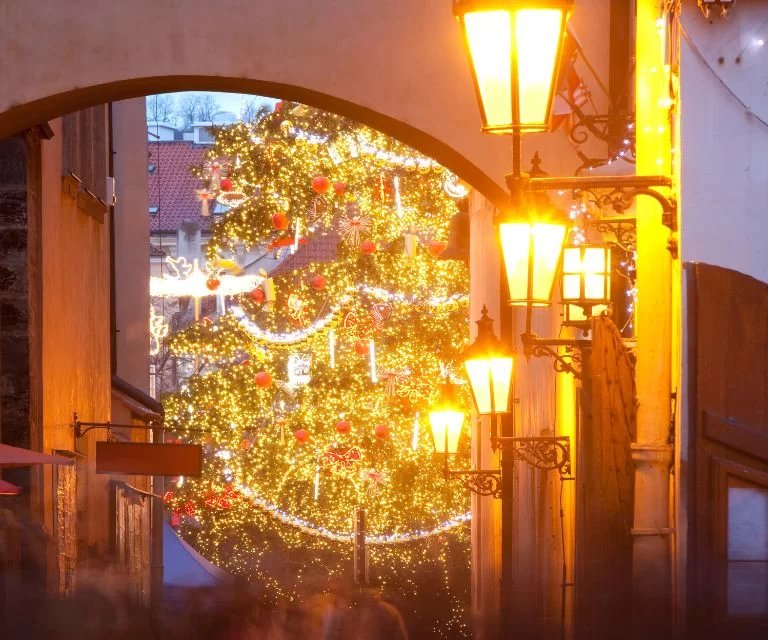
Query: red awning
point(18, 457)
point(8, 489)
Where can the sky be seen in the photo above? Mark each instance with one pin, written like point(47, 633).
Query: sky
point(233, 102)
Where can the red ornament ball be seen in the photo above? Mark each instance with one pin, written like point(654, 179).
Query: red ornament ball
point(343, 427)
point(225, 184)
point(280, 221)
point(381, 431)
point(302, 435)
point(175, 520)
point(320, 184)
point(212, 283)
point(339, 188)
point(263, 379)
point(436, 247)
point(317, 282)
point(361, 347)
point(368, 247)
point(257, 295)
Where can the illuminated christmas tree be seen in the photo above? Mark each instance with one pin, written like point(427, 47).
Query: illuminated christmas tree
point(315, 386)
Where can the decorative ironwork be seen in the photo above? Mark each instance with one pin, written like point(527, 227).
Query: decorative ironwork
point(482, 482)
point(548, 453)
point(624, 229)
point(616, 130)
point(535, 347)
point(81, 428)
point(621, 191)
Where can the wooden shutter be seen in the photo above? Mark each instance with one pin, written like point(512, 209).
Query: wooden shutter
point(727, 454)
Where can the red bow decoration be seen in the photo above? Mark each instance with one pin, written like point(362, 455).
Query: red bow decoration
point(222, 500)
point(341, 463)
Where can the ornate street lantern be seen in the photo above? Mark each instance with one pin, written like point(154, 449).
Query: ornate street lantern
point(446, 420)
point(489, 363)
point(514, 48)
point(586, 288)
point(531, 246)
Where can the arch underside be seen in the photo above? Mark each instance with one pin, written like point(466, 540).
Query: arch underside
point(24, 116)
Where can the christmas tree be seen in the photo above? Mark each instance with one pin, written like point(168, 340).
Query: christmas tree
point(313, 389)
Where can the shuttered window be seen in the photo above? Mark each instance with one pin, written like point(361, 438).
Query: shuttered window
point(85, 149)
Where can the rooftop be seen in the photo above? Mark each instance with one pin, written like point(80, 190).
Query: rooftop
point(172, 186)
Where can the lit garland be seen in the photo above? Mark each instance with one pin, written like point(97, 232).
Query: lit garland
point(396, 309)
point(393, 538)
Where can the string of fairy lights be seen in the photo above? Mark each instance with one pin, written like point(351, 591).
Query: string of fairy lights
point(315, 387)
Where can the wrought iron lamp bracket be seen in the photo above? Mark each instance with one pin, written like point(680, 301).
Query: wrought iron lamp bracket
point(81, 428)
point(550, 453)
point(618, 192)
point(535, 347)
point(483, 482)
point(624, 228)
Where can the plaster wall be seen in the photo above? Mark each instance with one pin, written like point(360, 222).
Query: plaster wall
point(131, 242)
point(398, 65)
point(76, 366)
point(724, 172)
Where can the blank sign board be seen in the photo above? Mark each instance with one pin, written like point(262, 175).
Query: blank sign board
point(147, 459)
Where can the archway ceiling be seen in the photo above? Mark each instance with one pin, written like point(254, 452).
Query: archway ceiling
point(397, 65)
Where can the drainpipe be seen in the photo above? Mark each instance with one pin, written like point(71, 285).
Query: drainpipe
point(652, 451)
point(112, 279)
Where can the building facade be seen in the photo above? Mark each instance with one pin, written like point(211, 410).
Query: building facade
point(61, 352)
point(657, 523)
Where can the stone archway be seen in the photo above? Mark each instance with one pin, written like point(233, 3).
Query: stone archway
point(397, 66)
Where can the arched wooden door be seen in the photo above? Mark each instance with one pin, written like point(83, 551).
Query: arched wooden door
point(727, 454)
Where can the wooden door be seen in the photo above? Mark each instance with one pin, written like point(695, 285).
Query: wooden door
point(727, 454)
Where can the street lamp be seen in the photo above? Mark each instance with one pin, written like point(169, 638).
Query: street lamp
point(447, 421)
point(531, 248)
point(515, 48)
point(489, 365)
point(586, 284)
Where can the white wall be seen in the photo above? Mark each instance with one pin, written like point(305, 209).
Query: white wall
point(398, 65)
point(724, 148)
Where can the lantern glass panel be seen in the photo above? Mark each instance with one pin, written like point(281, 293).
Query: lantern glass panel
point(516, 247)
point(538, 36)
point(547, 246)
point(531, 279)
point(446, 429)
point(594, 260)
point(571, 260)
point(486, 374)
point(571, 286)
point(594, 287)
point(489, 36)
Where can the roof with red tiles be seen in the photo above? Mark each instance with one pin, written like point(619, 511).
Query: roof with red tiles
point(172, 185)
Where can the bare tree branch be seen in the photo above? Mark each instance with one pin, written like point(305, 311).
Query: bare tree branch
point(160, 108)
point(187, 109)
point(207, 108)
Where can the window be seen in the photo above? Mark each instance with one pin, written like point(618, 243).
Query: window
point(85, 149)
point(747, 548)
point(153, 211)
